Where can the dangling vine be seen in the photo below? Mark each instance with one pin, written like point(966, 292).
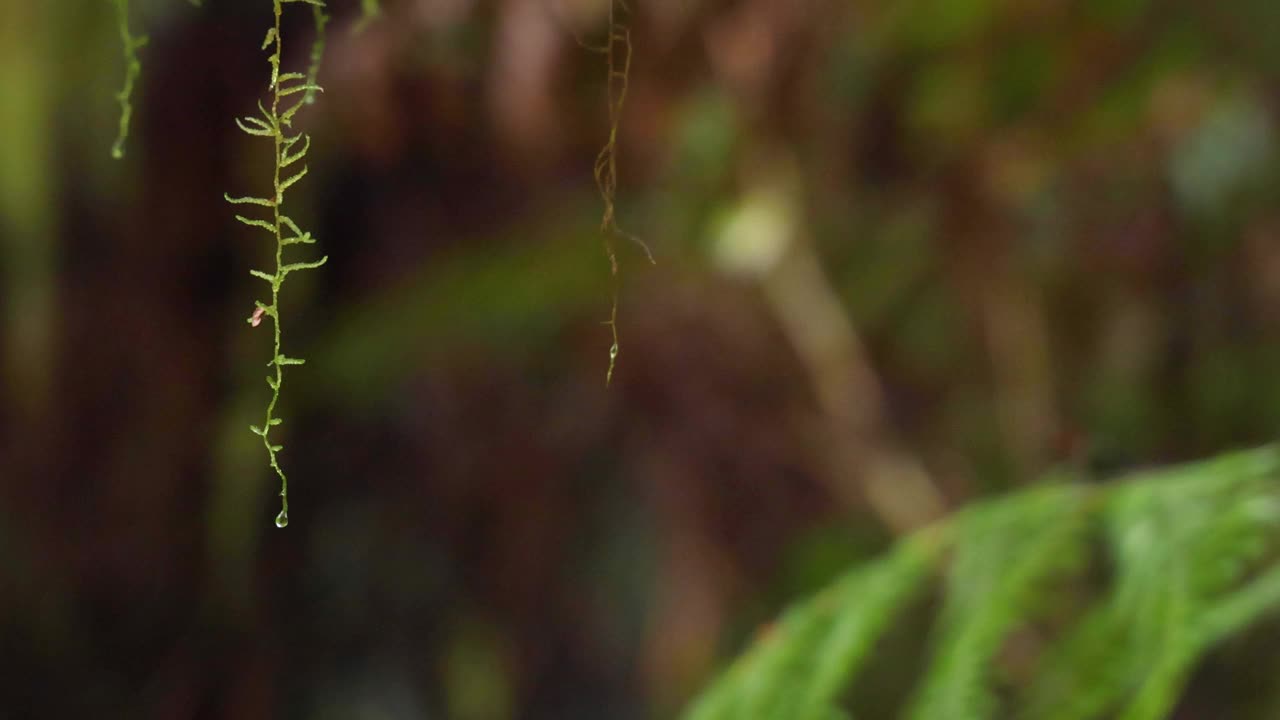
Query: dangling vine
point(369, 11)
point(275, 123)
point(617, 51)
point(317, 52)
point(130, 44)
point(272, 124)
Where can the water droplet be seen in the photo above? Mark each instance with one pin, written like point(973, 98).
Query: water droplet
point(282, 519)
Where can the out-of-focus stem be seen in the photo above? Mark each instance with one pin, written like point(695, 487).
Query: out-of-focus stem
point(861, 460)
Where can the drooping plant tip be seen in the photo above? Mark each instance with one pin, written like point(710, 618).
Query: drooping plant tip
point(617, 52)
point(130, 44)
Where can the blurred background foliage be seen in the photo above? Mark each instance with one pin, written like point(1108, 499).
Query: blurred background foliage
point(909, 254)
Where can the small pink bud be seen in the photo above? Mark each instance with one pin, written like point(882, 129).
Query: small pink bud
point(256, 320)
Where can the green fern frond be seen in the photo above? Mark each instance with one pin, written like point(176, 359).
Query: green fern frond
point(802, 664)
point(994, 584)
point(130, 44)
point(1179, 541)
point(283, 229)
point(1183, 544)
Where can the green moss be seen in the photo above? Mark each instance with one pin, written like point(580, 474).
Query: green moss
point(289, 92)
point(130, 44)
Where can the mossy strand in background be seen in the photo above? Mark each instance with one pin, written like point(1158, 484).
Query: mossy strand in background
point(317, 52)
point(288, 150)
point(130, 44)
point(369, 11)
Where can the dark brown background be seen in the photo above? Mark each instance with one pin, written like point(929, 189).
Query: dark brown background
point(908, 255)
